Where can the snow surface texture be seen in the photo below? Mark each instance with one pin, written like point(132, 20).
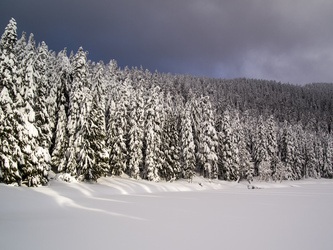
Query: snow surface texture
point(121, 213)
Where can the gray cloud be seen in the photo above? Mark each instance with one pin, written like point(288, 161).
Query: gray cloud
point(288, 41)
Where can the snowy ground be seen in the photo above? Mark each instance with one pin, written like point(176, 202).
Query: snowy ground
point(120, 213)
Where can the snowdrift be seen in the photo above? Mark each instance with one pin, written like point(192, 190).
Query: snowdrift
point(122, 213)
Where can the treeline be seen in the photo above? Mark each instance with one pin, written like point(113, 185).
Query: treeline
point(87, 120)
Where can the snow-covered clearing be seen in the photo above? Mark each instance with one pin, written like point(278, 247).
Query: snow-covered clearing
point(121, 213)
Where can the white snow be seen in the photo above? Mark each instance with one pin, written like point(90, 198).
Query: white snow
point(122, 213)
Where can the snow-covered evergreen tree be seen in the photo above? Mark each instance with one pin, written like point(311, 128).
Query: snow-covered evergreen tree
point(10, 152)
point(20, 47)
point(60, 135)
point(319, 157)
point(42, 122)
point(245, 164)
point(246, 168)
point(287, 152)
point(299, 141)
point(37, 159)
point(246, 146)
point(170, 142)
point(136, 132)
point(196, 118)
point(229, 162)
point(272, 147)
point(153, 136)
point(208, 142)
point(43, 91)
point(93, 155)
point(310, 160)
point(187, 145)
point(261, 154)
point(19, 76)
point(118, 127)
point(8, 60)
point(79, 101)
point(328, 157)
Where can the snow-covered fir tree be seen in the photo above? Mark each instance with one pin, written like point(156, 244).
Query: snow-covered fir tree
point(299, 141)
point(45, 99)
point(60, 135)
point(310, 160)
point(170, 142)
point(94, 157)
point(22, 91)
point(246, 166)
point(187, 145)
point(42, 100)
point(261, 154)
point(328, 157)
point(117, 132)
point(79, 101)
point(272, 148)
point(287, 149)
point(319, 157)
point(208, 142)
point(153, 136)
point(8, 60)
point(136, 132)
point(229, 162)
point(10, 152)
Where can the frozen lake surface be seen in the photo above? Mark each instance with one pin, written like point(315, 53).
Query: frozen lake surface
point(121, 213)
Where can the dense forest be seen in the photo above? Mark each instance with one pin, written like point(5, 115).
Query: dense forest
point(84, 120)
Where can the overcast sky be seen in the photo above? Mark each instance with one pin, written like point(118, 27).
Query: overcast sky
point(284, 40)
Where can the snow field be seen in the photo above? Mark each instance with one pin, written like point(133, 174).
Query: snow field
point(121, 213)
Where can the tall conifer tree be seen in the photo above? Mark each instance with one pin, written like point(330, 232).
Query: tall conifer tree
point(187, 145)
point(118, 128)
point(78, 110)
point(10, 152)
point(170, 142)
point(136, 132)
point(60, 136)
point(153, 136)
point(208, 141)
point(228, 151)
point(93, 154)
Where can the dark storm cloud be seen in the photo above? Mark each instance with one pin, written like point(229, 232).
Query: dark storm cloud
point(288, 41)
